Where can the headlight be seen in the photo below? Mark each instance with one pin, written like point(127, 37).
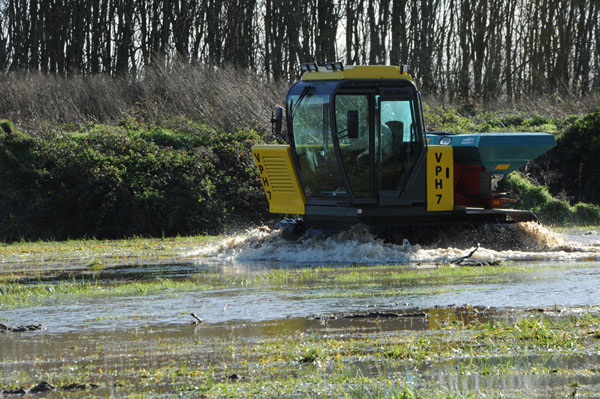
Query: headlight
point(445, 140)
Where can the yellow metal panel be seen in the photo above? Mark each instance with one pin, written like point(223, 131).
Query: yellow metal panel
point(359, 72)
point(279, 179)
point(440, 178)
point(502, 166)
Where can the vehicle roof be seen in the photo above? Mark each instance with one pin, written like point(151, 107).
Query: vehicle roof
point(358, 72)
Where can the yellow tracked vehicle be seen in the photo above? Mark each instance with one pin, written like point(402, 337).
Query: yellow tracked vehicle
point(358, 152)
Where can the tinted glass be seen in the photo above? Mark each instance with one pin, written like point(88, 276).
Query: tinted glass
point(399, 141)
point(355, 151)
point(312, 138)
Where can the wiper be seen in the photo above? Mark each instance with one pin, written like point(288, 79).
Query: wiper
point(293, 107)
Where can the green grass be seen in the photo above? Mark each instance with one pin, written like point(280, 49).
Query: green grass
point(27, 260)
point(532, 332)
point(36, 251)
point(379, 293)
point(397, 275)
point(26, 295)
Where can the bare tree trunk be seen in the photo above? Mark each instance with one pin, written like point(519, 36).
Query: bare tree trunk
point(182, 21)
point(464, 30)
point(475, 48)
point(596, 58)
point(375, 45)
point(479, 44)
point(267, 37)
point(509, 17)
point(351, 21)
point(398, 34)
point(327, 20)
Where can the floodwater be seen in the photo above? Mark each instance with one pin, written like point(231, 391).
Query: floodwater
point(106, 340)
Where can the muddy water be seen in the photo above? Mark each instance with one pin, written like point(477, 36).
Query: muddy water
point(108, 339)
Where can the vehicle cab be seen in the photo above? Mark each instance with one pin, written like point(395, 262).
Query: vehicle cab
point(356, 135)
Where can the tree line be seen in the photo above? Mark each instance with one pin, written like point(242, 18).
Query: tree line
point(467, 49)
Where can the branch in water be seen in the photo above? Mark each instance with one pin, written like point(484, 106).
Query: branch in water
point(458, 260)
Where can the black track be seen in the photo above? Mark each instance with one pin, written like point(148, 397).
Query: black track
point(424, 228)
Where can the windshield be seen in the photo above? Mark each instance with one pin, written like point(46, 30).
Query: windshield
point(314, 147)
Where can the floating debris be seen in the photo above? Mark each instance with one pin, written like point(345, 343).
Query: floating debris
point(28, 327)
point(198, 319)
point(368, 315)
point(44, 387)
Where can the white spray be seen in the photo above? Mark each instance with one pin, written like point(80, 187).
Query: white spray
point(528, 241)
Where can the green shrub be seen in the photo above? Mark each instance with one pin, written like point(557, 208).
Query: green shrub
point(536, 121)
point(113, 181)
point(575, 160)
point(451, 120)
point(547, 208)
point(6, 127)
point(587, 213)
point(555, 212)
point(512, 120)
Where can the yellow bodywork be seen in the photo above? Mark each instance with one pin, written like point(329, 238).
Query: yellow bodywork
point(279, 179)
point(359, 72)
point(440, 178)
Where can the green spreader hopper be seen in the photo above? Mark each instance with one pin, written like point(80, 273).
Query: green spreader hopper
point(498, 153)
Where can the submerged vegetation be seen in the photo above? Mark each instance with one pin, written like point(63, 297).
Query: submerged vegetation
point(443, 352)
point(33, 288)
point(460, 359)
point(42, 273)
point(119, 324)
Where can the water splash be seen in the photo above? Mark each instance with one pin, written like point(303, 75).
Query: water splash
point(517, 242)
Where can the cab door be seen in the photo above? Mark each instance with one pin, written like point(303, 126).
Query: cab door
point(357, 154)
point(398, 140)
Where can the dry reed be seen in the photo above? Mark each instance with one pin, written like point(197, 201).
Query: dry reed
point(225, 98)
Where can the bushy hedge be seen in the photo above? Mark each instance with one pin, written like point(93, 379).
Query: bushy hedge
point(548, 208)
point(576, 159)
point(116, 181)
point(452, 119)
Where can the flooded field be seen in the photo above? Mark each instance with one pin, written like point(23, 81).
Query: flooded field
point(348, 316)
